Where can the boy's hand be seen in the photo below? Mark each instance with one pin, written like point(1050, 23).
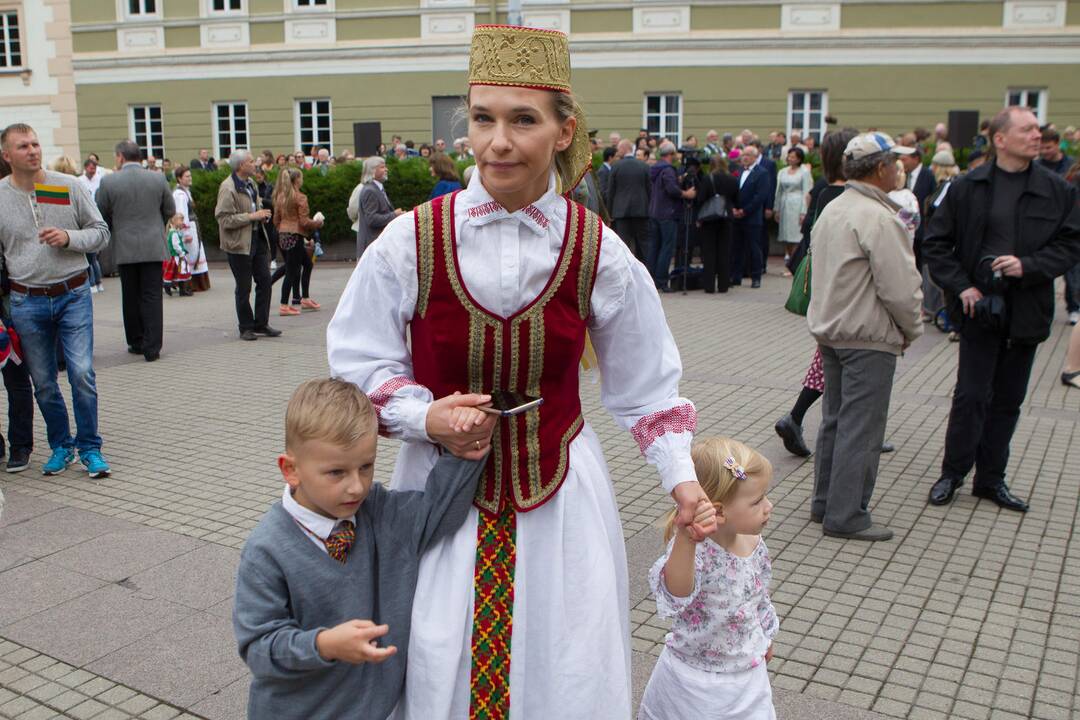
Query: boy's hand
point(354, 642)
point(470, 444)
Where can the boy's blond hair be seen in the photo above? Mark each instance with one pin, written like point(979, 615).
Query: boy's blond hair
point(710, 456)
point(329, 409)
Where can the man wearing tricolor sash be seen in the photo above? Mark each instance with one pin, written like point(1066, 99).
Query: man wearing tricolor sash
point(48, 223)
point(523, 613)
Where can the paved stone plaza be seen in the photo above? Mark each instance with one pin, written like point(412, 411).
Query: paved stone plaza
point(115, 595)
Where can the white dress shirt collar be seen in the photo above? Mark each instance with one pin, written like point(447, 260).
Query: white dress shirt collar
point(481, 209)
point(378, 184)
point(317, 525)
point(914, 176)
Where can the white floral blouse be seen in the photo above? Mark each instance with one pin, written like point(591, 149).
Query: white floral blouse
point(727, 622)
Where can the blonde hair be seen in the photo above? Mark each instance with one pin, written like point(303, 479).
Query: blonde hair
point(718, 481)
point(328, 409)
point(285, 192)
point(64, 164)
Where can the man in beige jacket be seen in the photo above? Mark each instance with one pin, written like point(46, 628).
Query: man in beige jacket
point(865, 297)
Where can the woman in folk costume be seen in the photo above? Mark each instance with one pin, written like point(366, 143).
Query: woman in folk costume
point(523, 613)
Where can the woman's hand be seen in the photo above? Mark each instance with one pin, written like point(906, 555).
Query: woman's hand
point(688, 496)
point(455, 423)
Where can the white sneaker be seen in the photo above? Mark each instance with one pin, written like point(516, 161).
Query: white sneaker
point(273, 265)
point(100, 287)
point(94, 289)
point(1074, 317)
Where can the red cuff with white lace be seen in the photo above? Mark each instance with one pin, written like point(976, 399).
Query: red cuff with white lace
point(681, 418)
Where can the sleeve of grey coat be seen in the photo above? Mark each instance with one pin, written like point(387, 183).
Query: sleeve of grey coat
point(93, 232)
point(168, 205)
point(104, 203)
point(1061, 253)
point(440, 509)
point(369, 206)
point(270, 640)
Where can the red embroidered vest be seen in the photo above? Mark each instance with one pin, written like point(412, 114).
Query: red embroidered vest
point(458, 345)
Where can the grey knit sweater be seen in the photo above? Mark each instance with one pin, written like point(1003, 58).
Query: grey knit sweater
point(287, 590)
point(29, 261)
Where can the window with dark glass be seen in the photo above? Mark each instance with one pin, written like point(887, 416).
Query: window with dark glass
point(10, 44)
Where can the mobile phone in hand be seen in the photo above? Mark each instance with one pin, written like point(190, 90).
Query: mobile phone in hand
point(507, 404)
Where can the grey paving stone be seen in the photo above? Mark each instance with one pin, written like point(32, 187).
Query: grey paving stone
point(54, 531)
point(228, 703)
point(183, 663)
point(199, 579)
point(118, 555)
point(37, 586)
point(95, 624)
point(21, 507)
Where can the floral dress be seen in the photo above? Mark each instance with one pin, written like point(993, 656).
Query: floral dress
point(713, 664)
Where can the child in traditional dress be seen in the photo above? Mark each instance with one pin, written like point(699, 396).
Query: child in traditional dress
point(717, 592)
point(325, 587)
point(175, 271)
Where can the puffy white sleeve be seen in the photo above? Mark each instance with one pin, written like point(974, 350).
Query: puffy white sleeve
point(640, 366)
point(668, 605)
point(366, 339)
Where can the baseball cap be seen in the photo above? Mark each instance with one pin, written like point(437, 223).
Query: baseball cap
point(874, 142)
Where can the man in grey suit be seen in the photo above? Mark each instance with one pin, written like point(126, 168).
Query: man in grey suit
point(376, 212)
point(137, 203)
point(627, 199)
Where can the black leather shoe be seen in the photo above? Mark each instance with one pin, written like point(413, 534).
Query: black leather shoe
point(944, 490)
point(755, 283)
point(888, 447)
point(248, 335)
point(791, 433)
point(1001, 497)
point(267, 331)
point(151, 357)
point(134, 350)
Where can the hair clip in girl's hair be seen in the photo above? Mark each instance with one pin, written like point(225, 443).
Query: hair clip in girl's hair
point(735, 468)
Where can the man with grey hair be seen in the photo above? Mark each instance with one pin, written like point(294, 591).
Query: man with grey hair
point(242, 235)
point(400, 151)
point(865, 296)
point(137, 203)
point(375, 212)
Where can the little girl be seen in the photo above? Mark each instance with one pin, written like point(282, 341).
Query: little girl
point(717, 591)
point(175, 270)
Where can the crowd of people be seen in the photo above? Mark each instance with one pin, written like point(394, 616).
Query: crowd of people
point(500, 539)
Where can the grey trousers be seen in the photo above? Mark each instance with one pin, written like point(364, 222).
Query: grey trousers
point(858, 384)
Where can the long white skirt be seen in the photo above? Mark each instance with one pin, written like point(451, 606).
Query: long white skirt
point(570, 648)
point(677, 691)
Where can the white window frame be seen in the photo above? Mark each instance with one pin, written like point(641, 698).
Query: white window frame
point(210, 11)
point(5, 42)
point(233, 145)
point(806, 112)
point(294, 6)
point(664, 114)
point(124, 10)
point(1025, 94)
point(298, 140)
point(147, 146)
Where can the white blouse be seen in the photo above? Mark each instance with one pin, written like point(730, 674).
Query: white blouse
point(727, 622)
point(506, 260)
point(183, 206)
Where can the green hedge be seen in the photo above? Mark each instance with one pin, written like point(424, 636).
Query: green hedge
point(410, 183)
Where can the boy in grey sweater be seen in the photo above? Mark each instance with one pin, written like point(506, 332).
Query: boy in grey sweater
point(325, 586)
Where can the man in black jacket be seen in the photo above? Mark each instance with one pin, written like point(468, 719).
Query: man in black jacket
point(627, 199)
point(1004, 232)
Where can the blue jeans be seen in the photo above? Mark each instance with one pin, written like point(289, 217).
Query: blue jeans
point(661, 248)
point(39, 321)
point(1072, 288)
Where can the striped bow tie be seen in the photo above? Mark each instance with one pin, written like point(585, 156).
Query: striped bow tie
point(341, 540)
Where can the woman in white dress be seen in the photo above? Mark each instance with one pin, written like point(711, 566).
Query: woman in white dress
point(793, 185)
point(523, 613)
point(185, 205)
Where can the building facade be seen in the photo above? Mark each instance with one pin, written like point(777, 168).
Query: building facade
point(37, 84)
point(180, 75)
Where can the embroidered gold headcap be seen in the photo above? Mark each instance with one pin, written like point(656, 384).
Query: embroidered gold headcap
point(519, 56)
point(532, 58)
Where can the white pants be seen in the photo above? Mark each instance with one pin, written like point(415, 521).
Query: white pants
point(677, 691)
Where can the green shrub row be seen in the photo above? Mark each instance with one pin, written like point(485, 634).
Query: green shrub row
point(409, 184)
